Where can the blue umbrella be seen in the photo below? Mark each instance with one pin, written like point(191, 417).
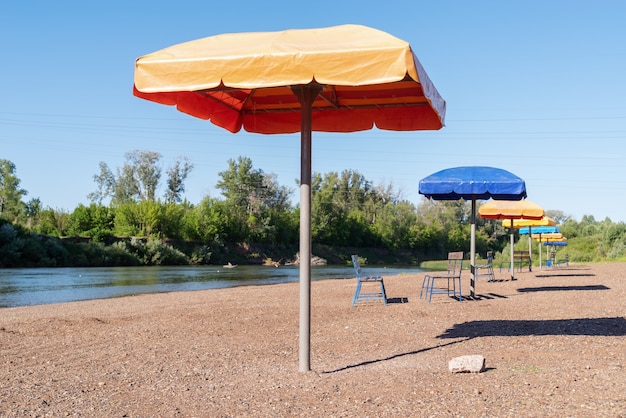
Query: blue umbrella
point(556, 243)
point(539, 230)
point(473, 183)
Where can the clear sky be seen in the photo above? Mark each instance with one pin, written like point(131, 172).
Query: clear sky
point(534, 87)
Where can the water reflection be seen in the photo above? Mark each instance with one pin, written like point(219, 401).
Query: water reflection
point(24, 287)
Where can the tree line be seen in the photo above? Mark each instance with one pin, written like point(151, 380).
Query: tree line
point(126, 223)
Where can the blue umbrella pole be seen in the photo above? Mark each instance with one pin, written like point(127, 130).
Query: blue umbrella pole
point(473, 251)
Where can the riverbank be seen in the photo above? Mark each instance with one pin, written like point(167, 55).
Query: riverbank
point(554, 343)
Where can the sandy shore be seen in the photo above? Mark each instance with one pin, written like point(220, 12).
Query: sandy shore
point(554, 343)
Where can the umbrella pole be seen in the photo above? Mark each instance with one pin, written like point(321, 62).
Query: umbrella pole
point(540, 250)
point(512, 253)
point(473, 251)
point(306, 95)
point(530, 247)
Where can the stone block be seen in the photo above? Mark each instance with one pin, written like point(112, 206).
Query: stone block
point(467, 364)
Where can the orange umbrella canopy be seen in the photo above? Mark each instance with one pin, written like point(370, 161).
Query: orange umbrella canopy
point(554, 237)
point(368, 78)
point(339, 79)
point(511, 209)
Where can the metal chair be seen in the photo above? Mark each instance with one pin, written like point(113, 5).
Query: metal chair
point(486, 269)
point(368, 295)
point(439, 283)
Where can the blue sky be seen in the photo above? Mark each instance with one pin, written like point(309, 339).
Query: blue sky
point(533, 87)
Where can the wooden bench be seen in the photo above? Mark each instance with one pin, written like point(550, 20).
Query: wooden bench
point(520, 258)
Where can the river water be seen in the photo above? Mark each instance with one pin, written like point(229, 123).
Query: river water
point(26, 287)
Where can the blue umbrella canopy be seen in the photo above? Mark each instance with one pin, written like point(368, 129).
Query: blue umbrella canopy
point(473, 183)
point(481, 183)
point(539, 230)
point(556, 243)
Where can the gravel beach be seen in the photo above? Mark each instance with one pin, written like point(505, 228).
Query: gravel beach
point(554, 342)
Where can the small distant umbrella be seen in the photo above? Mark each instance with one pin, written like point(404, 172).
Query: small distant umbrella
point(544, 226)
point(552, 242)
point(511, 210)
point(548, 237)
point(521, 223)
point(543, 235)
point(473, 183)
point(538, 230)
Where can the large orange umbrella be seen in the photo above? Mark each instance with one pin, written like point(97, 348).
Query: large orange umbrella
point(511, 210)
point(339, 79)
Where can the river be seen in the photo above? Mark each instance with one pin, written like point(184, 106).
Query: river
point(39, 286)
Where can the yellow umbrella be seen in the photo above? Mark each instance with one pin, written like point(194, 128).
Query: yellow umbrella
point(521, 223)
point(547, 237)
point(511, 210)
point(339, 79)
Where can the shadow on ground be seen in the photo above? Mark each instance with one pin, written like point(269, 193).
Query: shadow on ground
point(608, 327)
point(398, 300)
point(562, 288)
point(564, 274)
point(365, 363)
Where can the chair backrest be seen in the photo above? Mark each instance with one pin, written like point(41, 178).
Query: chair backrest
point(357, 266)
point(455, 263)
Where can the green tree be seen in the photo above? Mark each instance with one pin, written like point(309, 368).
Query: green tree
point(137, 180)
point(52, 222)
point(105, 182)
point(345, 207)
point(95, 221)
point(140, 219)
point(393, 224)
point(142, 170)
point(253, 199)
point(558, 215)
point(176, 176)
point(33, 210)
point(446, 226)
point(173, 220)
point(11, 205)
point(206, 222)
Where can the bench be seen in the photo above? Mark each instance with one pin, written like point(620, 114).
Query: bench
point(520, 258)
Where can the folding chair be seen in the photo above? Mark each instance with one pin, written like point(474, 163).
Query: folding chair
point(485, 270)
point(440, 282)
point(360, 279)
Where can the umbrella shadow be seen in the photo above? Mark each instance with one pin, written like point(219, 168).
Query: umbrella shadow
point(606, 327)
point(398, 300)
point(562, 288)
point(484, 296)
point(395, 356)
point(562, 274)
